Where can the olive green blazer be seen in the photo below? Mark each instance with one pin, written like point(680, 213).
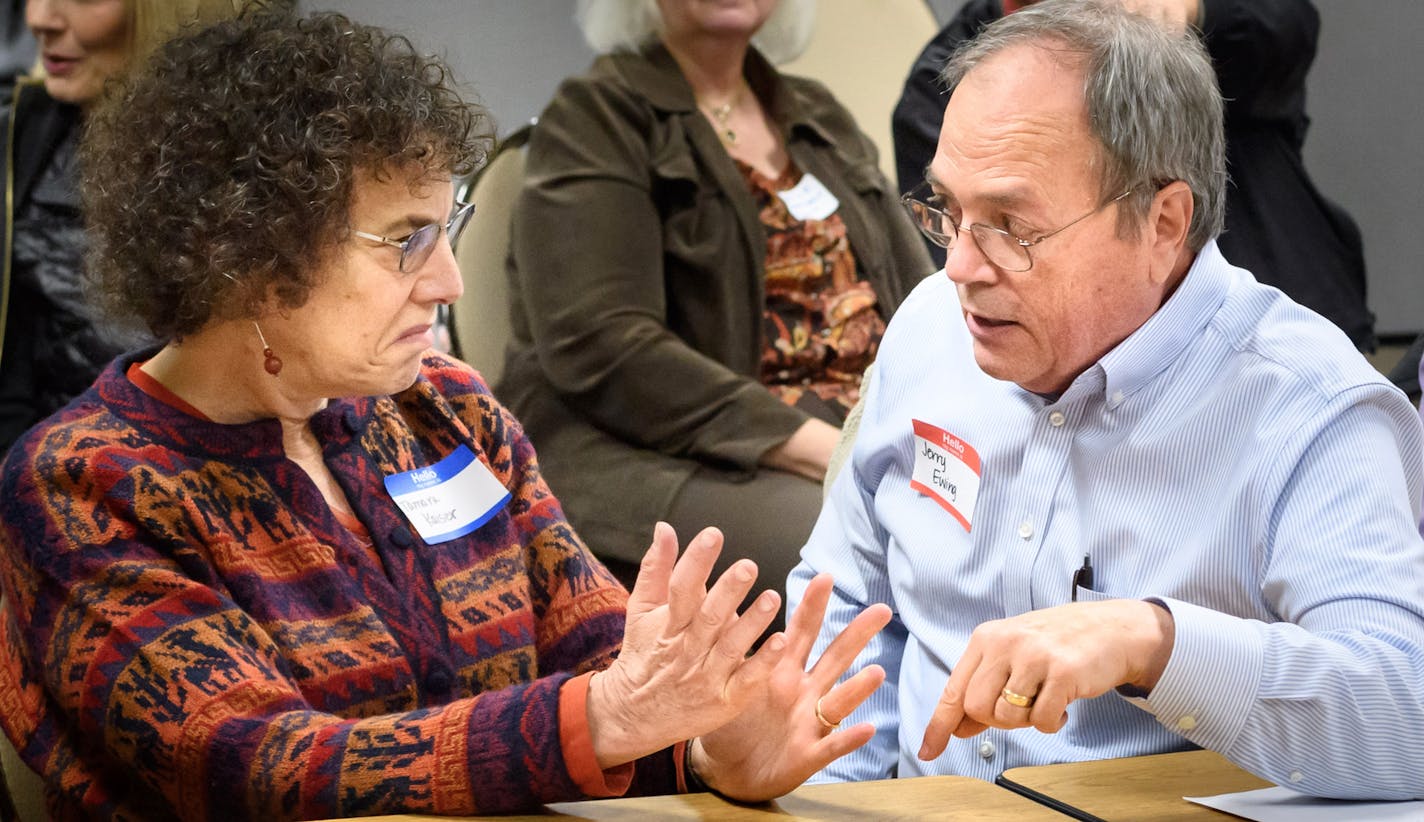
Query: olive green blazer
point(636, 265)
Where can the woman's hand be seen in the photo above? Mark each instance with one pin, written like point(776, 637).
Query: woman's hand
point(780, 740)
point(683, 669)
point(806, 452)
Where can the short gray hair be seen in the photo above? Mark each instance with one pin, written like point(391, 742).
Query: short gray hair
point(1151, 97)
point(626, 25)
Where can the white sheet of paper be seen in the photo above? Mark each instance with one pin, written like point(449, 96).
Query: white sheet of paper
point(1284, 805)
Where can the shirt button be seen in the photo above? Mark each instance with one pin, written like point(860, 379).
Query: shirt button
point(986, 749)
point(1296, 776)
point(1026, 529)
point(1116, 398)
point(1186, 723)
point(1056, 419)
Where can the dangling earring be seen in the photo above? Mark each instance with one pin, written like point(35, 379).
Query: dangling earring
point(272, 363)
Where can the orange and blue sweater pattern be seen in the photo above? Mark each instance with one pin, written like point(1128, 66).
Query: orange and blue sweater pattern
point(192, 633)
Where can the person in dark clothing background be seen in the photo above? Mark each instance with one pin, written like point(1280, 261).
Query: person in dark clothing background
point(1278, 225)
point(52, 346)
point(17, 47)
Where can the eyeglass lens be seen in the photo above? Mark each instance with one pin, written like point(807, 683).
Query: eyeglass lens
point(999, 248)
point(421, 243)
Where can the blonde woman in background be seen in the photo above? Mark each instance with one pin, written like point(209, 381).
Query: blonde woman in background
point(52, 345)
point(704, 256)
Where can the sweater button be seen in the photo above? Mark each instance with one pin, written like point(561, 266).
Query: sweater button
point(401, 538)
point(437, 683)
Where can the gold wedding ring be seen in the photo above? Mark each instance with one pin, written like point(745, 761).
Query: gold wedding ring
point(1017, 700)
point(820, 717)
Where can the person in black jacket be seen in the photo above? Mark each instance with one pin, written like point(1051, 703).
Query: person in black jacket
point(17, 47)
point(51, 346)
point(1278, 225)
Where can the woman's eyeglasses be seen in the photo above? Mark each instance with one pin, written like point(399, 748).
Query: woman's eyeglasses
point(417, 246)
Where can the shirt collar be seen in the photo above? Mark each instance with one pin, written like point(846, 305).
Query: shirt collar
point(1158, 343)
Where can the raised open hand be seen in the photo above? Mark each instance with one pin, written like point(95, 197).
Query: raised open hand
point(683, 669)
point(792, 730)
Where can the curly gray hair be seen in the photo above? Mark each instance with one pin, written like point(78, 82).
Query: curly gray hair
point(625, 25)
point(1151, 96)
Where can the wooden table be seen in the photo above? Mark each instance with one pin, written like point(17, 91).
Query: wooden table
point(1146, 788)
point(930, 797)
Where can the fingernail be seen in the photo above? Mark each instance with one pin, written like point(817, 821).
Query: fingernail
point(777, 642)
point(924, 752)
point(660, 529)
point(744, 573)
point(766, 602)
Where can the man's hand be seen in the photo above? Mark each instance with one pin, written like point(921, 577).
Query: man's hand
point(1047, 659)
point(779, 740)
point(683, 669)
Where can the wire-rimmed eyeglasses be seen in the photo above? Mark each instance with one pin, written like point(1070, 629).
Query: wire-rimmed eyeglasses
point(417, 246)
point(1001, 248)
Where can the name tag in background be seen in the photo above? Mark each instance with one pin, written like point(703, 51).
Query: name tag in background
point(809, 199)
point(450, 498)
point(946, 471)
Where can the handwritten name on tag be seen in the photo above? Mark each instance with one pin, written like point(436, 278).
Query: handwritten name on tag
point(947, 471)
point(449, 499)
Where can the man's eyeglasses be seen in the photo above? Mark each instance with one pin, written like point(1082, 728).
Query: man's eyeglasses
point(1004, 250)
point(417, 246)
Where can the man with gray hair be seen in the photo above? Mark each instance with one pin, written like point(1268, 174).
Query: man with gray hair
point(1113, 488)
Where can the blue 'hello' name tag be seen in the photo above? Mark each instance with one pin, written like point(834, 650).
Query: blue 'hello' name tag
point(449, 499)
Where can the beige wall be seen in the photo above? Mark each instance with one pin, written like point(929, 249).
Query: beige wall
point(863, 50)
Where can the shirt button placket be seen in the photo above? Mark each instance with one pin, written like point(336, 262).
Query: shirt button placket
point(1042, 465)
point(1044, 462)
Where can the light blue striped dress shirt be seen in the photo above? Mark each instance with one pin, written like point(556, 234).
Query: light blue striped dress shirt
point(1234, 457)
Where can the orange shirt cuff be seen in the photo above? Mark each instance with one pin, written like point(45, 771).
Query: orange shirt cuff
point(577, 745)
point(679, 764)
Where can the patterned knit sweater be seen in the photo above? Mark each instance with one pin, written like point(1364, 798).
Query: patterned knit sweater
point(190, 632)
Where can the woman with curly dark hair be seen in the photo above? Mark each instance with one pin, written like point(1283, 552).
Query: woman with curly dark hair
point(293, 563)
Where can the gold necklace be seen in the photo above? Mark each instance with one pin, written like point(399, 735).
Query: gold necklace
point(721, 114)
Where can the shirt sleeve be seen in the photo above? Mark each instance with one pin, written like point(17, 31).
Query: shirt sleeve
point(1329, 699)
point(848, 544)
point(1421, 413)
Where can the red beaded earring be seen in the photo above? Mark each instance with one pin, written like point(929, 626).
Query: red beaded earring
point(271, 362)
